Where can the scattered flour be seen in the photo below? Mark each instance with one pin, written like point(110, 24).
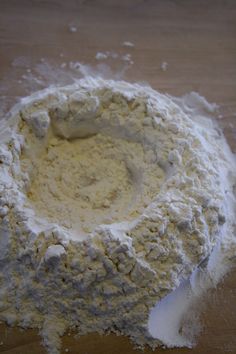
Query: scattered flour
point(164, 66)
point(113, 55)
point(63, 65)
point(72, 28)
point(127, 57)
point(111, 195)
point(106, 55)
point(101, 56)
point(128, 44)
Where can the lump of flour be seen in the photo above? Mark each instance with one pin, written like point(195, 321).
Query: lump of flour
point(110, 195)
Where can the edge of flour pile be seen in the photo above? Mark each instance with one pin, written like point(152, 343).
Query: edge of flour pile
point(167, 318)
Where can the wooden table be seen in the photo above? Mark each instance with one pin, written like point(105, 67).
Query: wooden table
point(197, 38)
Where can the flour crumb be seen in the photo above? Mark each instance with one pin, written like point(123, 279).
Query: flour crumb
point(101, 56)
point(128, 44)
point(72, 28)
point(113, 55)
point(164, 66)
point(75, 65)
point(127, 58)
point(106, 55)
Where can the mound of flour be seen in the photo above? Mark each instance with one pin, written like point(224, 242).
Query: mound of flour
point(110, 195)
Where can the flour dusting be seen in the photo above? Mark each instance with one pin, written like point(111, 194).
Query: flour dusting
point(112, 194)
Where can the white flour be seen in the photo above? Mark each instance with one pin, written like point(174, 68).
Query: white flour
point(111, 194)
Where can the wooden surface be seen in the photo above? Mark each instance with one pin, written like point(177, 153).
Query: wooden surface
point(198, 41)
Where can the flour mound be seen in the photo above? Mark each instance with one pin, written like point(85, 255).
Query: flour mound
point(111, 194)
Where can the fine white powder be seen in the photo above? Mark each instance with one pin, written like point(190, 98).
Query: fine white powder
point(110, 195)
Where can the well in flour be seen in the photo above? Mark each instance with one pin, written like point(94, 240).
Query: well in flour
point(85, 182)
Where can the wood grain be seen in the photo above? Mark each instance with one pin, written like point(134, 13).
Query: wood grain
point(198, 41)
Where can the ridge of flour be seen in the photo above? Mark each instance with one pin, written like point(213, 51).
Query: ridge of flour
point(111, 194)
